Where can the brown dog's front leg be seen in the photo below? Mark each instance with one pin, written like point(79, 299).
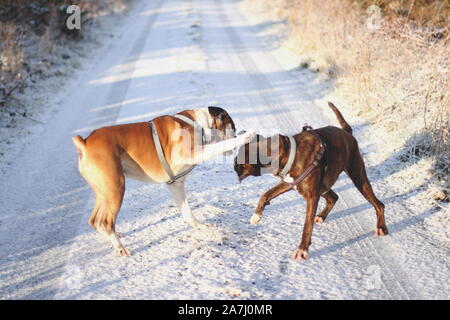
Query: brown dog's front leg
point(311, 206)
point(265, 199)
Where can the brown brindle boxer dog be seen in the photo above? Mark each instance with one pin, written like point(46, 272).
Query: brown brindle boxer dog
point(110, 154)
point(341, 153)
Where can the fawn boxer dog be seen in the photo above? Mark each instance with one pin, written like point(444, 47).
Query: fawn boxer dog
point(309, 162)
point(159, 151)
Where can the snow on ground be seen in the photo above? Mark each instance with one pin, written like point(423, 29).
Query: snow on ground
point(175, 55)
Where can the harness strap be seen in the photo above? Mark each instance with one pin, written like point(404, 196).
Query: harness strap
point(162, 158)
point(291, 158)
point(195, 125)
point(189, 121)
point(316, 161)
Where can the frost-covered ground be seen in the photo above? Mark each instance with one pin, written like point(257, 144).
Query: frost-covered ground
point(171, 55)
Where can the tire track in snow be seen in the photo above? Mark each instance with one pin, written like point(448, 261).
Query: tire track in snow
point(256, 76)
point(119, 89)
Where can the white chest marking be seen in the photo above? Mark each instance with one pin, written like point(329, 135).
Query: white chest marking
point(203, 118)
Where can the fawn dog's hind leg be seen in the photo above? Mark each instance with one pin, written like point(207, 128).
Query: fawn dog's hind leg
point(109, 188)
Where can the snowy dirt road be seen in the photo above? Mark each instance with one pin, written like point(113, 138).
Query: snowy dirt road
point(172, 55)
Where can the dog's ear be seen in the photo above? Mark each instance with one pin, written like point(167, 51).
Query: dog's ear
point(221, 118)
point(217, 112)
point(80, 145)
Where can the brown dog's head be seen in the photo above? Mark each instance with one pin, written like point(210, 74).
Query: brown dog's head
point(252, 158)
point(222, 124)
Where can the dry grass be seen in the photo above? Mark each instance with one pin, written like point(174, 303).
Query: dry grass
point(11, 55)
point(396, 75)
point(31, 31)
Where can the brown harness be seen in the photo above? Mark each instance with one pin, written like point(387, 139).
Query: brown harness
point(316, 161)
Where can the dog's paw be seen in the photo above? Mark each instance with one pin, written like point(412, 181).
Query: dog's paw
point(123, 252)
point(248, 136)
point(318, 220)
point(300, 254)
point(197, 225)
point(255, 219)
point(379, 232)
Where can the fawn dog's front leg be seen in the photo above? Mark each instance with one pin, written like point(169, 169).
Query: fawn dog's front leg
point(210, 151)
point(179, 195)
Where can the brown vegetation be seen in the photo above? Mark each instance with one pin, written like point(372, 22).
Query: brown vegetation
point(31, 30)
point(395, 70)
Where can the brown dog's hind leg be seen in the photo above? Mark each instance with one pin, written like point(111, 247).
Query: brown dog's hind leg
point(357, 173)
point(331, 199)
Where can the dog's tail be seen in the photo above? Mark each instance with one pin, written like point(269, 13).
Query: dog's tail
point(80, 144)
point(340, 118)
